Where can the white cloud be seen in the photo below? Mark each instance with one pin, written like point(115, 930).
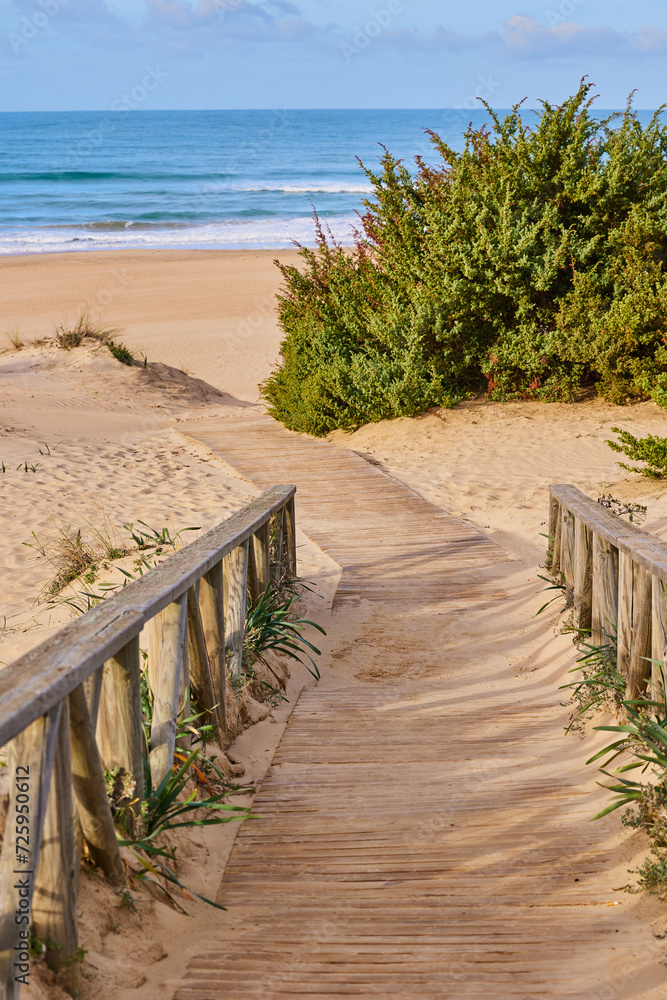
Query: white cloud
point(525, 36)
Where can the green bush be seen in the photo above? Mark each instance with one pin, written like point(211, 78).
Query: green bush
point(121, 353)
point(531, 265)
point(652, 450)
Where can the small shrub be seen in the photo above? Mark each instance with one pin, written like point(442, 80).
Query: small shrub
point(652, 874)
point(651, 450)
point(68, 337)
point(120, 353)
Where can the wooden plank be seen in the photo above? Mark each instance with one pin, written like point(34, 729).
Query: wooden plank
point(200, 669)
point(31, 754)
point(90, 792)
point(626, 594)
point(184, 739)
point(556, 558)
point(258, 562)
point(212, 610)
point(639, 668)
point(46, 675)
point(165, 658)
point(289, 528)
point(647, 551)
point(276, 529)
point(605, 591)
point(659, 638)
point(119, 731)
point(236, 566)
point(567, 553)
point(54, 912)
point(93, 688)
point(554, 513)
point(583, 576)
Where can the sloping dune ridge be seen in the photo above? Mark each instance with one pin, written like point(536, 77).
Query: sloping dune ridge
point(90, 444)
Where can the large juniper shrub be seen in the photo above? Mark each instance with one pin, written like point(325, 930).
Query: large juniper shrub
point(532, 264)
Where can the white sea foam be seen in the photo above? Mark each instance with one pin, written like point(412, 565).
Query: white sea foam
point(258, 233)
point(316, 187)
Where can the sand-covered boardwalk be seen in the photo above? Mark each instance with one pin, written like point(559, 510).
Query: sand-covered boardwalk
point(418, 833)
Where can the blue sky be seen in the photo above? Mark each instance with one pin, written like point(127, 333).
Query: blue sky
point(155, 54)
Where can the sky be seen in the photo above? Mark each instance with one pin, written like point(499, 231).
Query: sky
point(177, 54)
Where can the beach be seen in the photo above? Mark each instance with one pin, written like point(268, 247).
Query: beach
point(112, 444)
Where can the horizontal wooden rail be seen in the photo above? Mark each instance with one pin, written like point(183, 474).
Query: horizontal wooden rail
point(36, 682)
point(71, 709)
point(615, 577)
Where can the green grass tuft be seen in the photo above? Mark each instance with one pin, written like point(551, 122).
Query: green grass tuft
point(120, 353)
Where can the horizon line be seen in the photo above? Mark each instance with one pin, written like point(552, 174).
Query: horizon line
point(282, 110)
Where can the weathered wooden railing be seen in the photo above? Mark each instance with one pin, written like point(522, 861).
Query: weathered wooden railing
point(71, 708)
point(616, 578)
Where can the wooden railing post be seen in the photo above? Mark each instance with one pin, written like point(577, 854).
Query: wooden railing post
point(236, 589)
point(200, 669)
point(119, 728)
point(583, 576)
point(635, 613)
point(567, 553)
point(54, 912)
point(276, 528)
point(93, 688)
point(605, 590)
point(165, 658)
point(624, 631)
point(554, 516)
point(659, 639)
point(258, 563)
point(289, 528)
point(212, 610)
point(184, 739)
point(555, 559)
point(639, 670)
point(90, 791)
point(30, 760)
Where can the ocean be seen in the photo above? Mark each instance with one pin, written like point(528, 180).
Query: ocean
point(124, 179)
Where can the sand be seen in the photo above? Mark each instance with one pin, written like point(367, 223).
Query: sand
point(123, 446)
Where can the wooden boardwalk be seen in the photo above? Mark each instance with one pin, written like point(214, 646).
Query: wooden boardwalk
point(415, 839)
